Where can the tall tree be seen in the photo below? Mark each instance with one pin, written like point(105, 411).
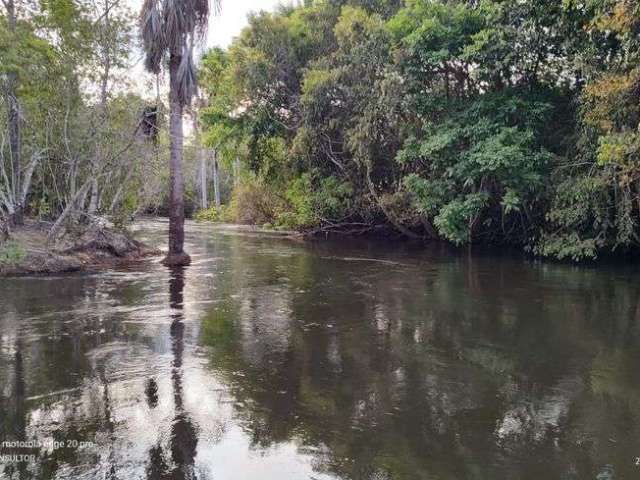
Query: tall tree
point(170, 29)
point(201, 156)
point(13, 118)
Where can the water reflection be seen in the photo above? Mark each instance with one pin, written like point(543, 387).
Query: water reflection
point(184, 436)
point(14, 408)
point(268, 359)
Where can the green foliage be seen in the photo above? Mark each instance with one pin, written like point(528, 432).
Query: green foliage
point(211, 214)
point(311, 201)
point(456, 219)
point(488, 148)
point(299, 197)
point(254, 203)
point(40, 208)
point(66, 62)
point(224, 214)
point(493, 121)
point(11, 253)
point(334, 198)
point(594, 205)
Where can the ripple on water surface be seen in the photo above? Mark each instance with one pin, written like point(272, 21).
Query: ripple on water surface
point(273, 359)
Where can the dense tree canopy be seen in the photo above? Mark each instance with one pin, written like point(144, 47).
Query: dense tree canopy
point(486, 121)
point(72, 141)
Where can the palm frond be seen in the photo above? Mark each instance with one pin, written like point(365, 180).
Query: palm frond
point(186, 81)
point(201, 12)
point(198, 12)
point(173, 26)
point(175, 23)
point(152, 32)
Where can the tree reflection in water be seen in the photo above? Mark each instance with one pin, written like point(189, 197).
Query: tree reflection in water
point(184, 436)
point(277, 360)
point(108, 423)
point(16, 411)
point(468, 369)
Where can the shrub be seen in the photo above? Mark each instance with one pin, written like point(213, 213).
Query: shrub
point(11, 252)
point(308, 204)
point(211, 214)
point(254, 203)
point(299, 211)
point(304, 203)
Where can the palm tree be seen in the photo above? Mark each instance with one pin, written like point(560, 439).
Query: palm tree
point(169, 30)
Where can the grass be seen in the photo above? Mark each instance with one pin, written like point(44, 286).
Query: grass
point(11, 253)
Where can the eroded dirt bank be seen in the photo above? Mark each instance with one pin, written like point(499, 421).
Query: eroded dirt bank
point(27, 250)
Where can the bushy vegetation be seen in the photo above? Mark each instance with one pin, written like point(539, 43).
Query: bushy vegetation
point(11, 253)
point(492, 121)
point(73, 141)
point(210, 214)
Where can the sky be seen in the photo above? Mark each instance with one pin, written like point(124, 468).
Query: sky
point(233, 17)
point(223, 28)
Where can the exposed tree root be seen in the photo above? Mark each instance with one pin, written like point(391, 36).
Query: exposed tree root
point(97, 247)
point(176, 260)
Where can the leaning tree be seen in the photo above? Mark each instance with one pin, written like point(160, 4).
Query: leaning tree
point(169, 29)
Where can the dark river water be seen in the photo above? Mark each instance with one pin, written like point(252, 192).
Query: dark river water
point(272, 359)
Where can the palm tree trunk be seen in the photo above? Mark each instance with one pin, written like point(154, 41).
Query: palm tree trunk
point(176, 254)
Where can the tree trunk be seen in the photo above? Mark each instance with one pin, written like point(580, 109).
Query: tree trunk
point(4, 232)
point(216, 179)
point(13, 123)
point(176, 255)
point(204, 203)
point(72, 206)
point(203, 180)
point(14, 147)
point(93, 202)
point(236, 171)
point(390, 216)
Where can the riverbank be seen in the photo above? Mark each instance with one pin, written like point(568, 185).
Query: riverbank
point(28, 252)
point(253, 230)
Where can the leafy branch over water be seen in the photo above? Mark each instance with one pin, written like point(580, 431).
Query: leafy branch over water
point(492, 122)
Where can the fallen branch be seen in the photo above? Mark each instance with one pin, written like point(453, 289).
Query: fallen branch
point(347, 229)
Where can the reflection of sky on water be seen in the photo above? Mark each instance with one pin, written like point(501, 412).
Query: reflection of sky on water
point(274, 359)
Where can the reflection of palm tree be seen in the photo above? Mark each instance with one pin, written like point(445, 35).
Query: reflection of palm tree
point(151, 392)
point(106, 397)
point(184, 439)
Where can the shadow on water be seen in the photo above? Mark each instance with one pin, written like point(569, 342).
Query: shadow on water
point(268, 359)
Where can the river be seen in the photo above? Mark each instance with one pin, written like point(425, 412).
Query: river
point(275, 359)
